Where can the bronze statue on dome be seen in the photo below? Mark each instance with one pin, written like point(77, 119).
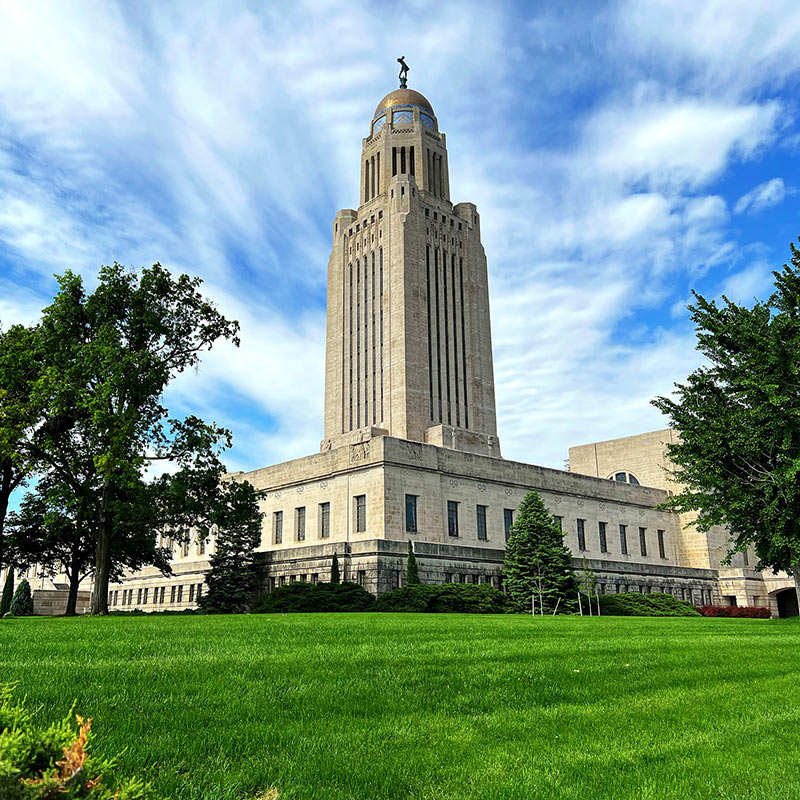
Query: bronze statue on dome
point(404, 68)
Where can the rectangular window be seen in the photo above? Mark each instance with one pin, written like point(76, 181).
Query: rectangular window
point(508, 521)
point(395, 579)
point(581, 534)
point(324, 520)
point(199, 592)
point(623, 539)
point(559, 522)
point(282, 580)
point(185, 549)
point(304, 579)
point(362, 575)
point(277, 519)
point(411, 513)
point(643, 541)
point(314, 577)
point(172, 590)
point(481, 518)
point(452, 518)
point(300, 526)
point(138, 597)
point(180, 593)
point(361, 513)
point(601, 529)
point(201, 547)
point(191, 593)
point(661, 551)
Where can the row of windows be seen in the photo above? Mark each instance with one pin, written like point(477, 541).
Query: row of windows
point(602, 536)
point(452, 518)
point(193, 592)
point(446, 314)
point(324, 520)
point(366, 326)
point(403, 116)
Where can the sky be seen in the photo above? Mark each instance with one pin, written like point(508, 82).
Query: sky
point(621, 154)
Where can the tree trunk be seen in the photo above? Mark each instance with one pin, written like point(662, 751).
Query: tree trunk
point(102, 568)
point(74, 575)
point(6, 477)
point(796, 573)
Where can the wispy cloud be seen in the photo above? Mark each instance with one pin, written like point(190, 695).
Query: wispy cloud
point(763, 196)
point(602, 150)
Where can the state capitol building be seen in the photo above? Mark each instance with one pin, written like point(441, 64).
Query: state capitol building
point(410, 448)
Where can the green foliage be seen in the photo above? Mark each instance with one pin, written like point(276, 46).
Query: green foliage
point(8, 593)
point(739, 421)
point(633, 604)
point(335, 577)
point(537, 563)
point(456, 598)
point(315, 597)
point(107, 359)
point(232, 579)
point(22, 602)
point(40, 762)
point(412, 572)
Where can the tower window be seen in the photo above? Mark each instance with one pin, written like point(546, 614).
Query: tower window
point(400, 117)
point(427, 121)
point(411, 159)
point(623, 539)
point(361, 513)
point(324, 520)
point(480, 513)
point(300, 518)
point(394, 161)
point(378, 124)
point(508, 521)
point(601, 529)
point(661, 550)
point(403, 160)
point(581, 534)
point(643, 541)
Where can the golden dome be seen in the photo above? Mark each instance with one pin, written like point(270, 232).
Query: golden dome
point(403, 97)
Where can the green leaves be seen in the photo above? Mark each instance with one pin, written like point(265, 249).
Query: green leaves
point(738, 456)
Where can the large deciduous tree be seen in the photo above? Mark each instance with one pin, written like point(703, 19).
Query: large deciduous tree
point(738, 416)
point(232, 580)
point(537, 563)
point(19, 415)
point(108, 357)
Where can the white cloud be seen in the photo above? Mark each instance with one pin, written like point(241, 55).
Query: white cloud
point(765, 195)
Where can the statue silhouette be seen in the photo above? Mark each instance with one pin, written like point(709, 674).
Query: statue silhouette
point(403, 71)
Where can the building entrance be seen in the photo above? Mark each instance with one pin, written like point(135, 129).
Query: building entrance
point(787, 603)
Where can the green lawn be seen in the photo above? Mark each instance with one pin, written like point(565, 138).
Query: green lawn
point(373, 706)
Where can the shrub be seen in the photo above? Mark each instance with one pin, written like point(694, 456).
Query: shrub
point(8, 593)
point(752, 612)
point(38, 762)
point(459, 598)
point(314, 597)
point(632, 604)
point(22, 602)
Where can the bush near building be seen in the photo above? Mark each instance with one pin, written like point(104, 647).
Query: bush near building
point(633, 604)
point(458, 598)
point(39, 762)
point(752, 612)
point(315, 597)
point(22, 602)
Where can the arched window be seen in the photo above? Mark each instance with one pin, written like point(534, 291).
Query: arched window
point(378, 124)
point(624, 477)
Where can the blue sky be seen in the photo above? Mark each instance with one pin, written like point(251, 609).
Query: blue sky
point(620, 155)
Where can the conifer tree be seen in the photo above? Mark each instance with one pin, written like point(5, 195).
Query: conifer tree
point(335, 578)
point(537, 563)
point(22, 603)
point(412, 573)
point(8, 593)
point(232, 579)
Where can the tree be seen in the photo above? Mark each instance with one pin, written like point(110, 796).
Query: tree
point(335, 578)
point(19, 414)
point(232, 579)
point(536, 559)
point(22, 603)
point(412, 573)
point(738, 416)
point(109, 356)
point(8, 592)
point(47, 531)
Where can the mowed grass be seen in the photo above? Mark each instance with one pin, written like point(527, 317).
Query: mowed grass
point(375, 706)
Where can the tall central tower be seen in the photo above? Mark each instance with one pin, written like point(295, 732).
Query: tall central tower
point(409, 345)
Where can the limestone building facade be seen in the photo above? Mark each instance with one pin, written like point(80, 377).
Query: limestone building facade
point(410, 448)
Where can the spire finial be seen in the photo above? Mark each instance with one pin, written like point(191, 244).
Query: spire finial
point(403, 71)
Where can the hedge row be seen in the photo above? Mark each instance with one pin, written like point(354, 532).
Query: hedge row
point(459, 598)
point(633, 604)
point(752, 612)
point(314, 597)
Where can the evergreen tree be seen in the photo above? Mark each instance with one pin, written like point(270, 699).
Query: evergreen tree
point(22, 603)
point(8, 592)
point(335, 578)
point(232, 579)
point(537, 561)
point(412, 573)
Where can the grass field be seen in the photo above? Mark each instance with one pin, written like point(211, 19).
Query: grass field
point(374, 706)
